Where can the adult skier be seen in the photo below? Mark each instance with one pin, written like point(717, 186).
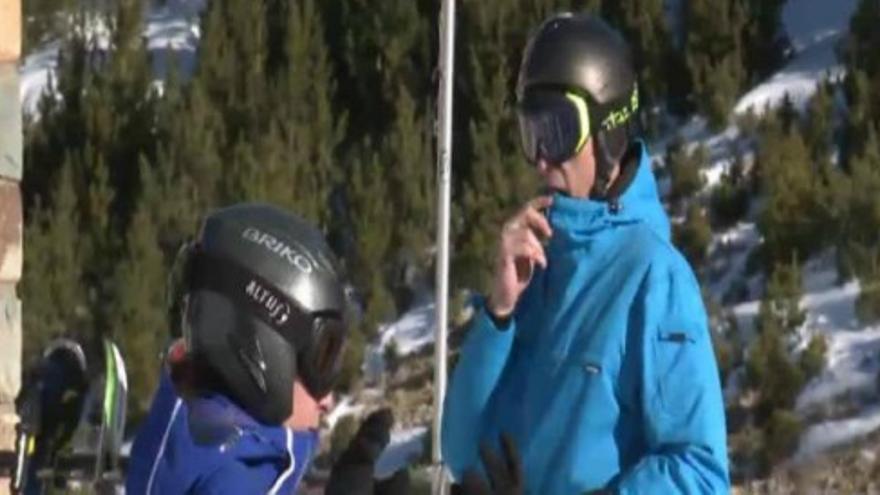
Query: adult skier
point(589, 365)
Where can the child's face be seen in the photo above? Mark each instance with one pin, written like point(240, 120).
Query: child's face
point(307, 411)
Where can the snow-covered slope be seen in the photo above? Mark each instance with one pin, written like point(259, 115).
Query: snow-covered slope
point(406, 446)
point(829, 434)
point(853, 359)
point(172, 33)
point(413, 330)
point(815, 28)
point(853, 356)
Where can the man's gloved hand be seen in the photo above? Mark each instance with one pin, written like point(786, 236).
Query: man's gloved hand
point(353, 472)
point(505, 474)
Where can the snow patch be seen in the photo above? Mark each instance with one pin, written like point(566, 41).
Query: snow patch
point(34, 75)
point(829, 434)
point(345, 407)
point(729, 252)
point(852, 367)
point(405, 447)
point(413, 331)
point(853, 356)
point(171, 29)
point(815, 28)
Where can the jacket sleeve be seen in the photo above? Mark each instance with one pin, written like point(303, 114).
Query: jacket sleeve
point(679, 390)
point(480, 365)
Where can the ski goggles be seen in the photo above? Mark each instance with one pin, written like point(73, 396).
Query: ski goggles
point(318, 339)
point(554, 126)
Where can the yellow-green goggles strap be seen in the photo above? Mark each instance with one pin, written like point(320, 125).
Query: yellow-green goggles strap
point(583, 117)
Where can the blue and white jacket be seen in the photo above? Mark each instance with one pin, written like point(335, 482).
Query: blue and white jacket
point(234, 453)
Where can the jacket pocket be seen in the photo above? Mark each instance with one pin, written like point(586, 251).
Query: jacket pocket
point(677, 367)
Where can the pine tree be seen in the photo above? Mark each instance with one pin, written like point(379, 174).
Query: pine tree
point(496, 179)
point(788, 114)
point(310, 129)
point(139, 312)
point(860, 117)
point(771, 372)
point(819, 127)
point(96, 125)
point(499, 183)
point(729, 200)
point(684, 170)
point(192, 141)
point(232, 61)
point(781, 436)
point(863, 76)
point(380, 49)
point(764, 42)
point(862, 226)
point(128, 79)
point(408, 158)
point(864, 200)
point(60, 126)
point(714, 53)
point(812, 359)
point(780, 309)
point(868, 301)
point(864, 39)
point(366, 194)
point(43, 20)
point(855, 209)
point(693, 236)
point(52, 282)
point(791, 219)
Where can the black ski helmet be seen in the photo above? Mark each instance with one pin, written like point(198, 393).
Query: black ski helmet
point(263, 304)
point(583, 54)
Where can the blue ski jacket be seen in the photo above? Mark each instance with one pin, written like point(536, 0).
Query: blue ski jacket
point(208, 445)
point(605, 375)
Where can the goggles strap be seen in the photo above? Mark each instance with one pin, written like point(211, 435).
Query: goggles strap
point(583, 119)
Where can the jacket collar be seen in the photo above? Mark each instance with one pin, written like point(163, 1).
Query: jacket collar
point(638, 201)
point(215, 420)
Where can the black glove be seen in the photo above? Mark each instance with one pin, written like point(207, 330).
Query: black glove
point(505, 475)
point(353, 472)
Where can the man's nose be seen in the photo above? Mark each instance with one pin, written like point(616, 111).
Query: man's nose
point(542, 165)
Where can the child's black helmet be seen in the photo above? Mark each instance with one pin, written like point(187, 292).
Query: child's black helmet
point(263, 304)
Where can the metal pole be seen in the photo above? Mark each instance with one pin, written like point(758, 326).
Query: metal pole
point(444, 175)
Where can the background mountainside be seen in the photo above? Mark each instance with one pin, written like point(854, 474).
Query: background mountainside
point(762, 117)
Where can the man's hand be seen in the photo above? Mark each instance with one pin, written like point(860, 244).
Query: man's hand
point(505, 474)
point(519, 249)
point(353, 472)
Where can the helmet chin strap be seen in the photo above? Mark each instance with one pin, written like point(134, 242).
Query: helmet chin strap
point(610, 147)
point(606, 161)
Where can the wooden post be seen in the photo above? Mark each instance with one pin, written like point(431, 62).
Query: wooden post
point(11, 225)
